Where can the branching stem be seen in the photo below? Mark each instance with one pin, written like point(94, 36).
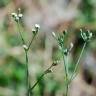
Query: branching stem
point(31, 42)
point(40, 78)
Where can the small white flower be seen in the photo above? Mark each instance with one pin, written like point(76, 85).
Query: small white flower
point(19, 9)
point(37, 26)
point(20, 15)
point(60, 48)
point(54, 35)
point(25, 47)
point(81, 30)
point(33, 30)
point(17, 18)
point(71, 45)
point(90, 34)
point(14, 14)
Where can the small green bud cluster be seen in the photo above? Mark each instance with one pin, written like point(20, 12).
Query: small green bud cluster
point(17, 16)
point(86, 36)
point(60, 40)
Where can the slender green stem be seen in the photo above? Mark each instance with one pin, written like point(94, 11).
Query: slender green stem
point(67, 88)
point(65, 67)
point(26, 53)
point(37, 82)
point(23, 41)
point(27, 61)
point(77, 64)
point(40, 78)
point(27, 74)
point(31, 42)
point(66, 73)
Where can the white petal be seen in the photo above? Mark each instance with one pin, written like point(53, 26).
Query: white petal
point(37, 26)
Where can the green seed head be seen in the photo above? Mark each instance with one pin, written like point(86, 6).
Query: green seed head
point(86, 36)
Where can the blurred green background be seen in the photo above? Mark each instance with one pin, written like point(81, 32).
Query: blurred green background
point(52, 15)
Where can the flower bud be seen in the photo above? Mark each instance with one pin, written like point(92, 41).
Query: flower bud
point(16, 18)
point(71, 46)
point(66, 52)
point(55, 63)
point(53, 34)
point(20, 15)
point(19, 10)
point(64, 32)
point(14, 15)
point(37, 26)
point(25, 47)
point(48, 71)
point(34, 31)
point(90, 34)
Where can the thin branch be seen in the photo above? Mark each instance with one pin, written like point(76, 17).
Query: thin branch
point(23, 41)
point(65, 67)
point(67, 88)
point(77, 64)
point(40, 78)
point(31, 42)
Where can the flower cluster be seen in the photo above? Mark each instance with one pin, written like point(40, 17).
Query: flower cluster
point(60, 39)
point(17, 16)
point(86, 36)
point(36, 29)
